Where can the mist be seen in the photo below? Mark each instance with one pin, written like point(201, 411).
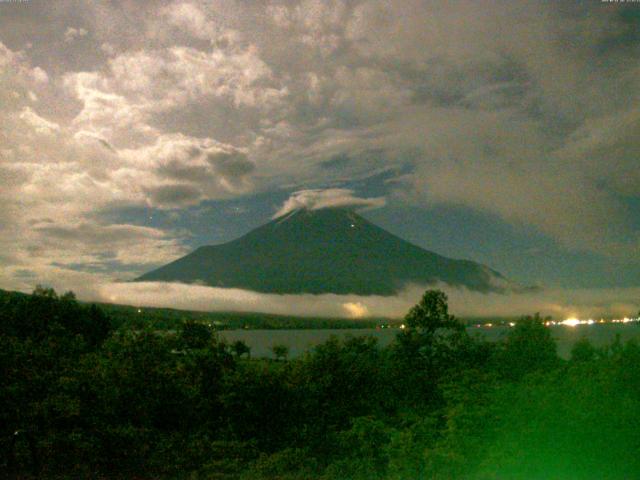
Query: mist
point(559, 303)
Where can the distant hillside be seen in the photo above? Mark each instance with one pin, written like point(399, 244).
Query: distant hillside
point(323, 251)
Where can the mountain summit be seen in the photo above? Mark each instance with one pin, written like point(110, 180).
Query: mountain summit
point(332, 250)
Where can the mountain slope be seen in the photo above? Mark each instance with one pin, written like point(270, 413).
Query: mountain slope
point(322, 251)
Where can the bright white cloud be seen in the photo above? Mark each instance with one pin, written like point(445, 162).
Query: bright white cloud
point(54, 181)
point(327, 198)
point(41, 125)
point(142, 84)
point(189, 17)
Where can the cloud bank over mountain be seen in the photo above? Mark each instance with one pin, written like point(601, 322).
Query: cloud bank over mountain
point(561, 304)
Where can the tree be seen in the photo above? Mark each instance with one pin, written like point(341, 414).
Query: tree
point(529, 347)
point(583, 351)
point(98, 326)
point(280, 351)
point(69, 297)
point(195, 334)
point(341, 379)
point(44, 292)
point(240, 348)
point(431, 314)
point(428, 347)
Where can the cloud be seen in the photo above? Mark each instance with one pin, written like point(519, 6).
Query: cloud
point(122, 103)
point(18, 79)
point(560, 303)
point(55, 182)
point(328, 198)
point(58, 179)
point(190, 18)
point(74, 243)
point(73, 33)
point(518, 110)
point(108, 49)
point(178, 170)
point(173, 195)
point(356, 310)
point(317, 24)
point(40, 125)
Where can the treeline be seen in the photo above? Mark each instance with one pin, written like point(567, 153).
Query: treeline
point(171, 319)
point(80, 399)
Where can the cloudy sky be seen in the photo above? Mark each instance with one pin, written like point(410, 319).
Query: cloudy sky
point(503, 132)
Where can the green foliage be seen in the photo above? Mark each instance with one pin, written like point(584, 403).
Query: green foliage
point(287, 464)
point(240, 348)
point(572, 423)
point(409, 445)
point(281, 352)
point(431, 314)
point(364, 451)
point(44, 315)
point(342, 380)
point(45, 292)
point(583, 351)
point(433, 343)
point(529, 347)
point(195, 334)
point(260, 405)
point(90, 402)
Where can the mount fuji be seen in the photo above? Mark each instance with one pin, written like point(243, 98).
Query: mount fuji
point(331, 250)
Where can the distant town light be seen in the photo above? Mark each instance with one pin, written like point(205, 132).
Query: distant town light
point(571, 322)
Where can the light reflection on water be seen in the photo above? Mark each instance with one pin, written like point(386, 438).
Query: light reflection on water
point(300, 341)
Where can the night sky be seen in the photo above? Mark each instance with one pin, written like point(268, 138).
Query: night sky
point(507, 133)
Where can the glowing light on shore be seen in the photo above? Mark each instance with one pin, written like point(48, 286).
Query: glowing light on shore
point(571, 322)
point(355, 309)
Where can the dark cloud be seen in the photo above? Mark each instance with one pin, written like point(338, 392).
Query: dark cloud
point(176, 169)
point(336, 162)
point(94, 234)
point(25, 274)
point(232, 166)
point(174, 195)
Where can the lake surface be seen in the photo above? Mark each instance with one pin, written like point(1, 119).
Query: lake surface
point(300, 341)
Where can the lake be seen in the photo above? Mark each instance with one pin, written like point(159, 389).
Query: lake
point(300, 341)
